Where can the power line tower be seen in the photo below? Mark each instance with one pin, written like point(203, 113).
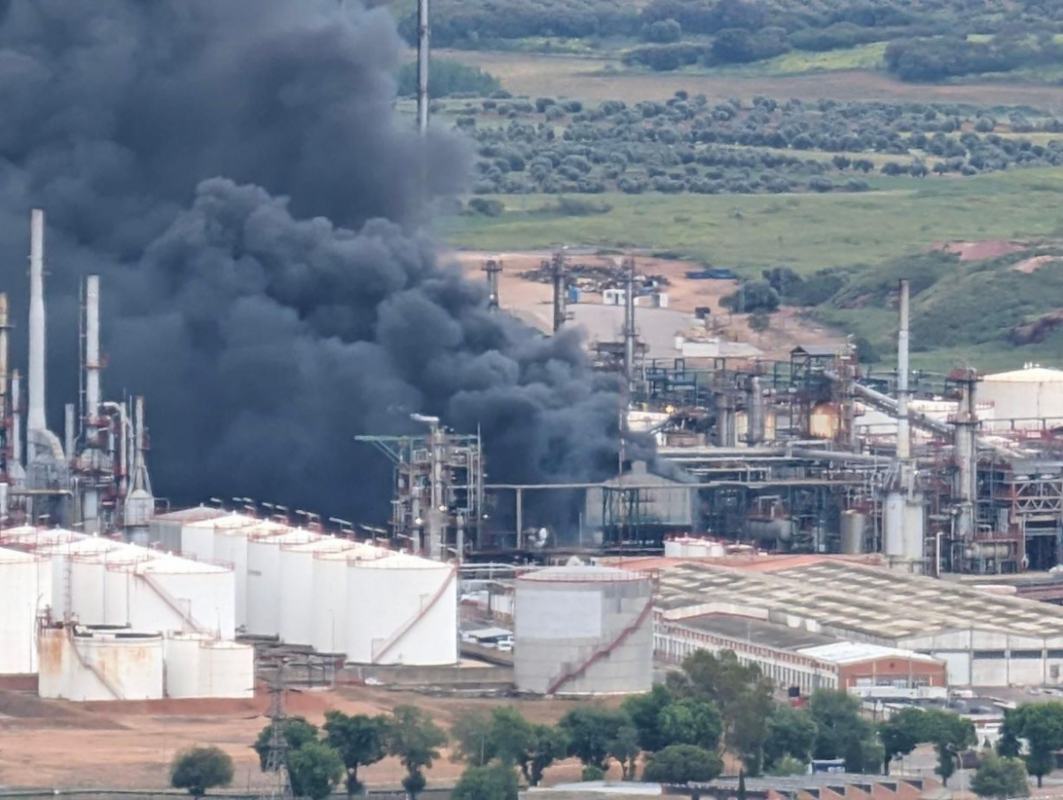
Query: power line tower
point(280, 787)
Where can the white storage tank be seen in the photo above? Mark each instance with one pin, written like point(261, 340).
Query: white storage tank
point(230, 549)
point(1027, 394)
point(263, 577)
point(583, 630)
point(329, 595)
point(854, 523)
point(171, 594)
point(200, 666)
point(84, 663)
point(198, 536)
point(402, 609)
point(29, 537)
point(25, 592)
point(164, 530)
point(92, 586)
point(296, 586)
point(62, 555)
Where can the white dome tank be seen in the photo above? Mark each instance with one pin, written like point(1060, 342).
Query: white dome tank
point(605, 648)
point(25, 591)
point(199, 666)
point(402, 609)
point(296, 585)
point(329, 593)
point(79, 575)
point(263, 578)
point(83, 663)
point(230, 549)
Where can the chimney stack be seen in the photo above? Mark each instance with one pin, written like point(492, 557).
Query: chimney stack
point(36, 420)
point(904, 441)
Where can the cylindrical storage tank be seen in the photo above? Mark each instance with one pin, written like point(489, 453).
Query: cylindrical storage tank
point(198, 536)
point(172, 594)
point(230, 549)
point(263, 578)
point(78, 575)
point(854, 523)
point(605, 648)
point(986, 550)
point(84, 663)
point(25, 591)
point(673, 548)
point(200, 666)
point(770, 529)
point(296, 586)
point(329, 634)
point(164, 530)
point(402, 609)
point(30, 537)
point(181, 664)
point(893, 525)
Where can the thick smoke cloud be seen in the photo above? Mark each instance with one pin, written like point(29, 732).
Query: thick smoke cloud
point(236, 173)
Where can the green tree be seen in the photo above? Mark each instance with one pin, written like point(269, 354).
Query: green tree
point(359, 739)
point(900, 734)
point(200, 768)
point(787, 765)
point(315, 769)
point(1000, 777)
point(492, 782)
point(759, 322)
point(691, 721)
point(683, 763)
point(511, 735)
point(840, 730)
point(415, 740)
point(591, 733)
point(624, 747)
point(644, 711)
point(1041, 725)
point(471, 733)
point(296, 731)
point(791, 733)
point(546, 745)
point(950, 734)
point(741, 693)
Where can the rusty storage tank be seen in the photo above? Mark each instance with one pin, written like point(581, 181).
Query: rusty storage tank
point(583, 630)
point(86, 662)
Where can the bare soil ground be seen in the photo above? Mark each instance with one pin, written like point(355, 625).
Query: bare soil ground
point(51, 743)
point(587, 78)
point(531, 301)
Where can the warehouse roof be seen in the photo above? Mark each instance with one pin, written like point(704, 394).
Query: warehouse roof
point(850, 600)
point(859, 652)
point(582, 574)
point(768, 634)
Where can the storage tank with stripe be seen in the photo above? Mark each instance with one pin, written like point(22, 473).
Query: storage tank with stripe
point(583, 630)
point(402, 609)
point(92, 588)
point(62, 556)
point(25, 592)
point(329, 593)
point(83, 663)
point(230, 549)
point(296, 586)
point(200, 666)
point(171, 594)
point(263, 577)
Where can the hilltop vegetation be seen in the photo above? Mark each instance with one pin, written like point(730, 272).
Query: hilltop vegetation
point(929, 39)
point(689, 144)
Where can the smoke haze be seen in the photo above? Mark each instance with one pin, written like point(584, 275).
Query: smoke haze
point(235, 172)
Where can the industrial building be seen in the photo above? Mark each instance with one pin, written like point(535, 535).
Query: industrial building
point(583, 630)
point(799, 613)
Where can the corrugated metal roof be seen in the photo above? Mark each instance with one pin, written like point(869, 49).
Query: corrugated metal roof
point(582, 574)
point(858, 652)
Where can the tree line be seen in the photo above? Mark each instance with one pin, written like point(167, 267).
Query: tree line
point(677, 733)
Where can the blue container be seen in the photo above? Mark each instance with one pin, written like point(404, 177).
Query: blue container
point(574, 294)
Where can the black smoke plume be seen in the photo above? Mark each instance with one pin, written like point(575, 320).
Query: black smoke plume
point(236, 172)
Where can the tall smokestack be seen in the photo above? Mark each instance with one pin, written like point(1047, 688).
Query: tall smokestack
point(493, 268)
point(5, 405)
point(557, 273)
point(16, 422)
point(422, 66)
point(92, 347)
point(629, 323)
point(904, 442)
point(36, 420)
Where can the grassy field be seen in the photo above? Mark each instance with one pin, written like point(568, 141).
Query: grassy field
point(805, 231)
point(596, 79)
point(801, 62)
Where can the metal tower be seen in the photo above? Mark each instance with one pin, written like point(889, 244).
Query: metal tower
point(280, 787)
